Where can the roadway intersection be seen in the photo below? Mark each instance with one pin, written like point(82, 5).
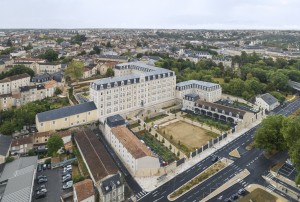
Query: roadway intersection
point(252, 160)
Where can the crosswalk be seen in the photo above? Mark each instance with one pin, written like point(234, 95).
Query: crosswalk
point(270, 188)
point(243, 183)
point(141, 194)
point(270, 176)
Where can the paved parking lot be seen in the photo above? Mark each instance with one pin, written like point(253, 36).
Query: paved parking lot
point(53, 186)
point(288, 171)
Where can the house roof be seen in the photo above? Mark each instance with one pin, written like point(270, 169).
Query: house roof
point(15, 77)
point(5, 142)
point(115, 120)
point(268, 98)
point(96, 157)
point(111, 181)
point(66, 111)
point(22, 141)
point(200, 83)
point(133, 145)
point(84, 189)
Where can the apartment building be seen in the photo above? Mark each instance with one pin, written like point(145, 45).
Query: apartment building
point(135, 86)
point(207, 91)
point(40, 67)
point(13, 83)
point(66, 117)
point(6, 101)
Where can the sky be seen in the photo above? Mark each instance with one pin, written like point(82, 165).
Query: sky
point(153, 14)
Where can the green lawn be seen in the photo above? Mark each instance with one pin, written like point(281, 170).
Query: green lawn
point(157, 146)
point(134, 125)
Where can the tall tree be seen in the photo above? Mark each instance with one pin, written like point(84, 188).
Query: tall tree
point(75, 70)
point(110, 72)
point(50, 55)
point(269, 136)
point(55, 142)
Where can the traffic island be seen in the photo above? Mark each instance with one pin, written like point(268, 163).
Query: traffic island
point(258, 193)
point(235, 153)
point(206, 174)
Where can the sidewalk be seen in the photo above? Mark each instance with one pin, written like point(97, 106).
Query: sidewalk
point(150, 183)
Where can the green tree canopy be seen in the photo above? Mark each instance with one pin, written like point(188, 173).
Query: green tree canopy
point(55, 142)
point(17, 69)
point(50, 55)
point(110, 72)
point(75, 70)
point(269, 136)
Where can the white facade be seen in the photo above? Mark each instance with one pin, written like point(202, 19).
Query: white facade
point(210, 92)
point(135, 85)
point(265, 105)
point(13, 83)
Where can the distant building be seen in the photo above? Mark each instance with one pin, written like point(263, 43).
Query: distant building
point(113, 58)
point(84, 191)
point(18, 178)
point(207, 91)
point(103, 171)
point(40, 67)
point(267, 101)
point(5, 142)
point(66, 117)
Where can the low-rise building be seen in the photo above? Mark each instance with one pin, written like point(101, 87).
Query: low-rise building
point(21, 145)
point(114, 58)
point(139, 160)
point(84, 191)
point(6, 101)
point(66, 117)
point(18, 178)
point(267, 102)
point(103, 171)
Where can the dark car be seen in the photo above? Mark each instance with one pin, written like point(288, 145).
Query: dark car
point(214, 159)
point(227, 200)
point(234, 197)
point(242, 191)
point(40, 195)
point(39, 168)
point(49, 166)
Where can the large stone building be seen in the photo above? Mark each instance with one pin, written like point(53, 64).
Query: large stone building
point(139, 160)
point(135, 86)
point(66, 117)
point(267, 101)
point(40, 66)
point(210, 92)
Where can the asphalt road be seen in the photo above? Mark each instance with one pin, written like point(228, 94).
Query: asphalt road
point(253, 160)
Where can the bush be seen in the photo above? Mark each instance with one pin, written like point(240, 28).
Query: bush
point(77, 178)
point(9, 159)
point(48, 161)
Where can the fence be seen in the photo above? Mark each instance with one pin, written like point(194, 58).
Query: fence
point(63, 163)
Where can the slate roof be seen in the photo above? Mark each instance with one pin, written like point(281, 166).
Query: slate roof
point(66, 111)
point(200, 83)
point(115, 120)
point(109, 182)
point(113, 57)
point(5, 142)
point(96, 157)
point(268, 98)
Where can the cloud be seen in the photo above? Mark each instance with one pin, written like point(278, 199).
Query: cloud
point(192, 14)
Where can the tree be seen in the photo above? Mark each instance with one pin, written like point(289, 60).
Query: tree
point(236, 86)
point(7, 127)
point(110, 72)
point(139, 44)
point(78, 39)
point(97, 49)
point(50, 55)
point(57, 91)
point(9, 43)
point(31, 152)
point(108, 45)
point(55, 142)
point(75, 70)
point(9, 159)
point(278, 81)
point(139, 55)
point(269, 136)
point(17, 69)
point(28, 47)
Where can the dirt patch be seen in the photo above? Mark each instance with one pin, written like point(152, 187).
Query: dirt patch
point(276, 167)
point(258, 195)
point(250, 146)
point(188, 134)
point(235, 153)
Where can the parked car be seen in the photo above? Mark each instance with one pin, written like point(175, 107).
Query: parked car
point(40, 189)
point(241, 191)
point(67, 178)
point(234, 197)
point(41, 176)
point(66, 165)
point(68, 185)
point(67, 168)
point(214, 159)
point(44, 166)
point(42, 180)
point(40, 195)
point(49, 166)
point(39, 167)
point(227, 200)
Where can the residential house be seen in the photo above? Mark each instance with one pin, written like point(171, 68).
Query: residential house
point(21, 145)
point(266, 101)
point(13, 83)
point(6, 101)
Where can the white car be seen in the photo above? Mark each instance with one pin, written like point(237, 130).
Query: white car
point(67, 169)
point(66, 176)
point(68, 185)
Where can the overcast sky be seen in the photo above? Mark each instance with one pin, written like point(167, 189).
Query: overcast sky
point(182, 14)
